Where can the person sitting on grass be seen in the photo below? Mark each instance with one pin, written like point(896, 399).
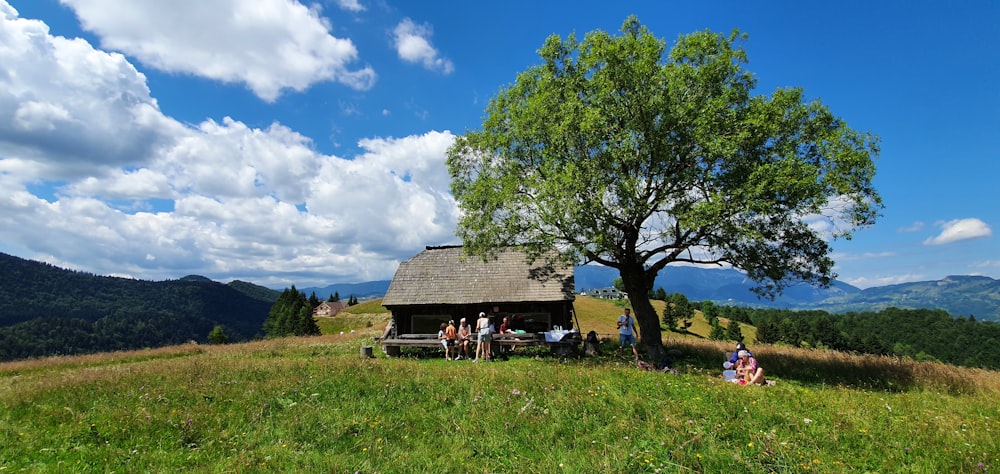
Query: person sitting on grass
point(748, 370)
point(736, 354)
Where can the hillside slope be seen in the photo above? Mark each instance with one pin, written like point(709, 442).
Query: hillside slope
point(45, 310)
point(312, 404)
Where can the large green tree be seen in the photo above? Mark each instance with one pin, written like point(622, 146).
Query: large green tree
point(617, 151)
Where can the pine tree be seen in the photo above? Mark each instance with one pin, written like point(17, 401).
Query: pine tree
point(218, 336)
point(669, 320)
point(717, 333)
point(305, 324)
point(313, 300)
point(660, 294)
point(710, 310)
point(733, 332)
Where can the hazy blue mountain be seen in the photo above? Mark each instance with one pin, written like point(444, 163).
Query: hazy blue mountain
point(963, 296)
point(719, 285)
point(958, 295)
point(362, 291)
point(976, 296)
point(698, 284)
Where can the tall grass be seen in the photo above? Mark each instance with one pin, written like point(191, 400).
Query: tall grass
point(314, 405)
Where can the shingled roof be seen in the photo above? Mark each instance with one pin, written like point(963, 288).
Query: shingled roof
point(444, 275)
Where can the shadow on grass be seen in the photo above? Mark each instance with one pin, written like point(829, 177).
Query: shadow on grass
point(826, 367)
point(805, 366)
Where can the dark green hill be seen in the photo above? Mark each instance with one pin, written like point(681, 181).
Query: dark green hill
point(46, 310)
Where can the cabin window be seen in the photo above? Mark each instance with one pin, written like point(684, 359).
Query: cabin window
point(429, 323)
point(532, 322)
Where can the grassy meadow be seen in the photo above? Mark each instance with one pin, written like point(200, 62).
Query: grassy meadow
point(314, 405)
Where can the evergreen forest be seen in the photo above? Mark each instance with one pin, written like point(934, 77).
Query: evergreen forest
point(921, 334)
point(46, 310)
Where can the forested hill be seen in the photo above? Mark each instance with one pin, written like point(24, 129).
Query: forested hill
point(46, 310)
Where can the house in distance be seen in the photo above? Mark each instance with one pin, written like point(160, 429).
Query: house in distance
point(328, 309)
point(608, 293)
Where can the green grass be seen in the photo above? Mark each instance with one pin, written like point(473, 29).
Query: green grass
point(314, 405)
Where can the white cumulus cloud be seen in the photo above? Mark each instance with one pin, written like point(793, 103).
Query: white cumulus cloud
point(269, 45)
point(413, 45)
point(351, 5)
point(66, 108)
point(960, 229)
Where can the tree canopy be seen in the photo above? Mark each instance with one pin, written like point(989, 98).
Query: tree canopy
point(617, 151)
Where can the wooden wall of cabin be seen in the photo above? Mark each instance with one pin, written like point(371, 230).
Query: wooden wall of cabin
point(527, 316)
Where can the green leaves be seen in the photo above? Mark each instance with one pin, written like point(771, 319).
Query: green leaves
point(614, 149)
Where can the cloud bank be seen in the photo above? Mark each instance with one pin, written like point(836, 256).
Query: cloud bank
point(93, 171)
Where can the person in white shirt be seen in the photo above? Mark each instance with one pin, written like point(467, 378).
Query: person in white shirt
point(484, 329)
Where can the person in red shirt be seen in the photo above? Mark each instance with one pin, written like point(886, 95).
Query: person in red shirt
point(447, 335)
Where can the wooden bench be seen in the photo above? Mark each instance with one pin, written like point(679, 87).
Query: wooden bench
point(392, 346)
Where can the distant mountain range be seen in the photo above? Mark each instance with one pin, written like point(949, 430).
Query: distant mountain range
point(364, 291)
point(46, 310)
point(963, 296)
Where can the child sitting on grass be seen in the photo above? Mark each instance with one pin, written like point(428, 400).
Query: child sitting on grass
point(748, 370)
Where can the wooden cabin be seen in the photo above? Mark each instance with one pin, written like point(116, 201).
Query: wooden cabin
point(442, 284)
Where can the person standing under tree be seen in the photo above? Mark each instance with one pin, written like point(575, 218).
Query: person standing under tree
point(626, 332)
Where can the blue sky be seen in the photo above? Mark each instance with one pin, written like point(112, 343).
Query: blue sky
point(285, 142)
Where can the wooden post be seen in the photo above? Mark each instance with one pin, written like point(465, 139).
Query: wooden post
point(391, 351)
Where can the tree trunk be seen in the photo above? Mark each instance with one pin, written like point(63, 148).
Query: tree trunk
point(650, 337)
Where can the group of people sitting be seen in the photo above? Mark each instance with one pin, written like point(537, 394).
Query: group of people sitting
point(455, 339)
point(459, 340)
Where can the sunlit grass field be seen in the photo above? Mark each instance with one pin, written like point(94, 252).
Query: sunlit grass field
point(315, 405)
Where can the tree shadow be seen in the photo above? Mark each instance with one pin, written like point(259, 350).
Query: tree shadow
point(823, 367)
